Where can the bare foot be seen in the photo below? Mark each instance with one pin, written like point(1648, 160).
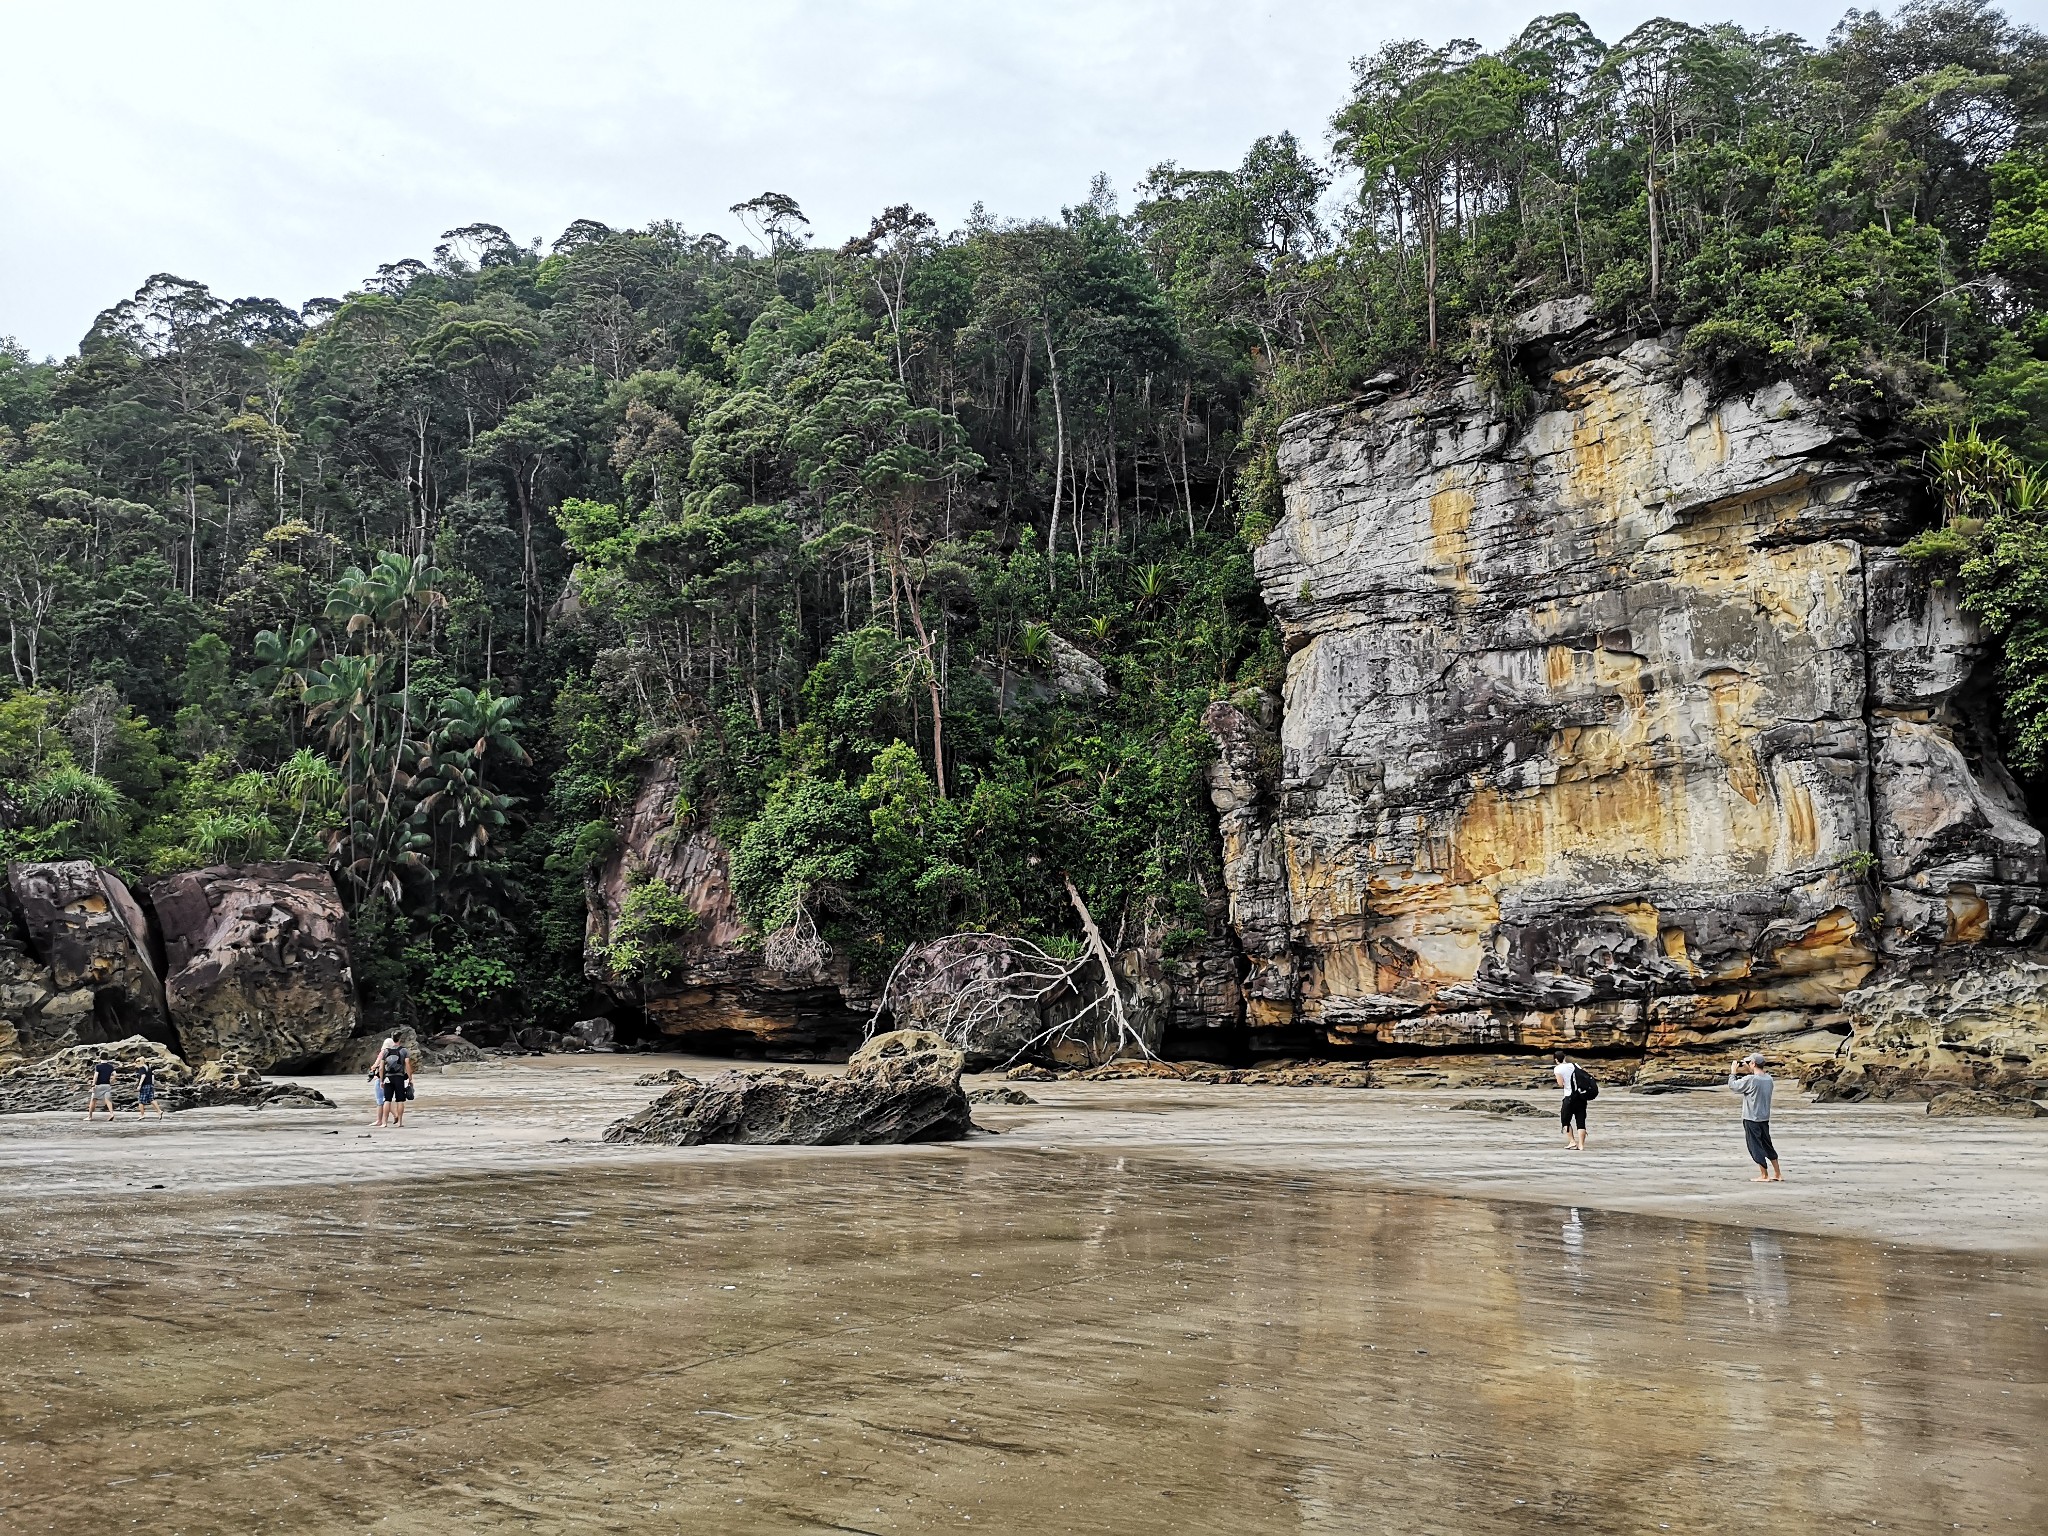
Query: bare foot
point(1762, 1178)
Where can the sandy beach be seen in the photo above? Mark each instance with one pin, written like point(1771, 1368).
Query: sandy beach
point(1883, 1172)
point(1139, 1308)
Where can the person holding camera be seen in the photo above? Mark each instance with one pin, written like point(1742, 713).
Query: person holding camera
point(1748, 1078)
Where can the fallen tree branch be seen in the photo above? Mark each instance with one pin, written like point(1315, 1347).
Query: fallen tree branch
point(1126, 1034)
point(959, 985)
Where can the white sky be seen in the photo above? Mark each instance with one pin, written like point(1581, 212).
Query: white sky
point(287, 147)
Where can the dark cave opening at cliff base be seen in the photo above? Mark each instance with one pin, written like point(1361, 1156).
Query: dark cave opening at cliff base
point(1054, 1342)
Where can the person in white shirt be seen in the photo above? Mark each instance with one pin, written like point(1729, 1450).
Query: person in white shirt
point(1572, 1113)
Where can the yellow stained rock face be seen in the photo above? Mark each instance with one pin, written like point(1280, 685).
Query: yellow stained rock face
point(1610, 443)
point(1969, 916)
point(1601, 742)
point(1450, 526)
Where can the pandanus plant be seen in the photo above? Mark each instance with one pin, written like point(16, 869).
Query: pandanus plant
point(457, 806)
point(361, 698)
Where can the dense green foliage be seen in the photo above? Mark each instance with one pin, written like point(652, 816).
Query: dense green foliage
point(923, 556)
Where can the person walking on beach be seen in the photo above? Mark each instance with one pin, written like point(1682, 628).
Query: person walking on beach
point(102, 1088)
point(1579, 1091)
point(145, 1092)
point(377, 1084)
point(397, 1069)
point(1749, 1079)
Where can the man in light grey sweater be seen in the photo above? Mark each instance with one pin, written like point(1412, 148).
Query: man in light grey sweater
point(1749, 1079)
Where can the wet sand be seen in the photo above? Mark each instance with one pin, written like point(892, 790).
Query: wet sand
point(1879, 1171)
point(1138, 1310)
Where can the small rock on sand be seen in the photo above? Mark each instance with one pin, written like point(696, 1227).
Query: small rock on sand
point(1000, 1096)
point(1497, 1106)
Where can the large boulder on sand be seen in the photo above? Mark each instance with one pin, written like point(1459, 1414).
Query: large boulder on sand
point(85, 926)
point(60, 1081)
point(900, 1087)
point(36, 1017)
point(256, 962)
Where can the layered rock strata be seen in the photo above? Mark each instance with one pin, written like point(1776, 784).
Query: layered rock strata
point(1622, 728)
point(256, 962)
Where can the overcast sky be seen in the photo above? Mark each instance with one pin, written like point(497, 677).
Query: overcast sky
point(286, 148)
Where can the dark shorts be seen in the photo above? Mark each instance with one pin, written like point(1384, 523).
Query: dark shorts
point(145, 1095)
point(1573, 1111)
point(1758, 1134)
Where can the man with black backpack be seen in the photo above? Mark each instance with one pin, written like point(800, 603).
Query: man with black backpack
point(394, 1066)
point(1579, 1091)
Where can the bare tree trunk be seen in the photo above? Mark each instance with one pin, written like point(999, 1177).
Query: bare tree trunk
point(931, 677)
point(1656, 231)
point(1125, 1032)
point(1429, 269)
point(1059, 467)
point(529, 562)
point(754, 658)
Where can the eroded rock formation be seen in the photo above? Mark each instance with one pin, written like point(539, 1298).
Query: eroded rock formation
point(256, 962)
point(96, 969)
point(35, 1017)
point(355, 1057)
point(1624, 727)
point(1975, 1017)
point(902, 1086)
point(718, 993)
point(1620, 725)
point(60, 1081)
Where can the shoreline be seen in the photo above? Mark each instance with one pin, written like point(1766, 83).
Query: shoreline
point(1880, 1173)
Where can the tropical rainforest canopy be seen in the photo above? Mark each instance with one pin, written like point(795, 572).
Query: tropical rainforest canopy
point(415, 581)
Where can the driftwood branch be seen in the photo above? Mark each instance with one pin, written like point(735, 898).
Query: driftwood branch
point(1119, 1015)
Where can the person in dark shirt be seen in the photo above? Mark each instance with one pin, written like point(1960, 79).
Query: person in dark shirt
point(394, 1063)
point(102, 1088)
point(145, 1093)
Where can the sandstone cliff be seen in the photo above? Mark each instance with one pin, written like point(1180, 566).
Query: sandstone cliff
point(1623, 727)
point(717, 992)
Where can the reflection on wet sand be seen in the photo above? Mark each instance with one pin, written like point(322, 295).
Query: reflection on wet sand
point(1008, 1341)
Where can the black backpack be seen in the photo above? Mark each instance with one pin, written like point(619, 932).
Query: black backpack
point(1583, 1084)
